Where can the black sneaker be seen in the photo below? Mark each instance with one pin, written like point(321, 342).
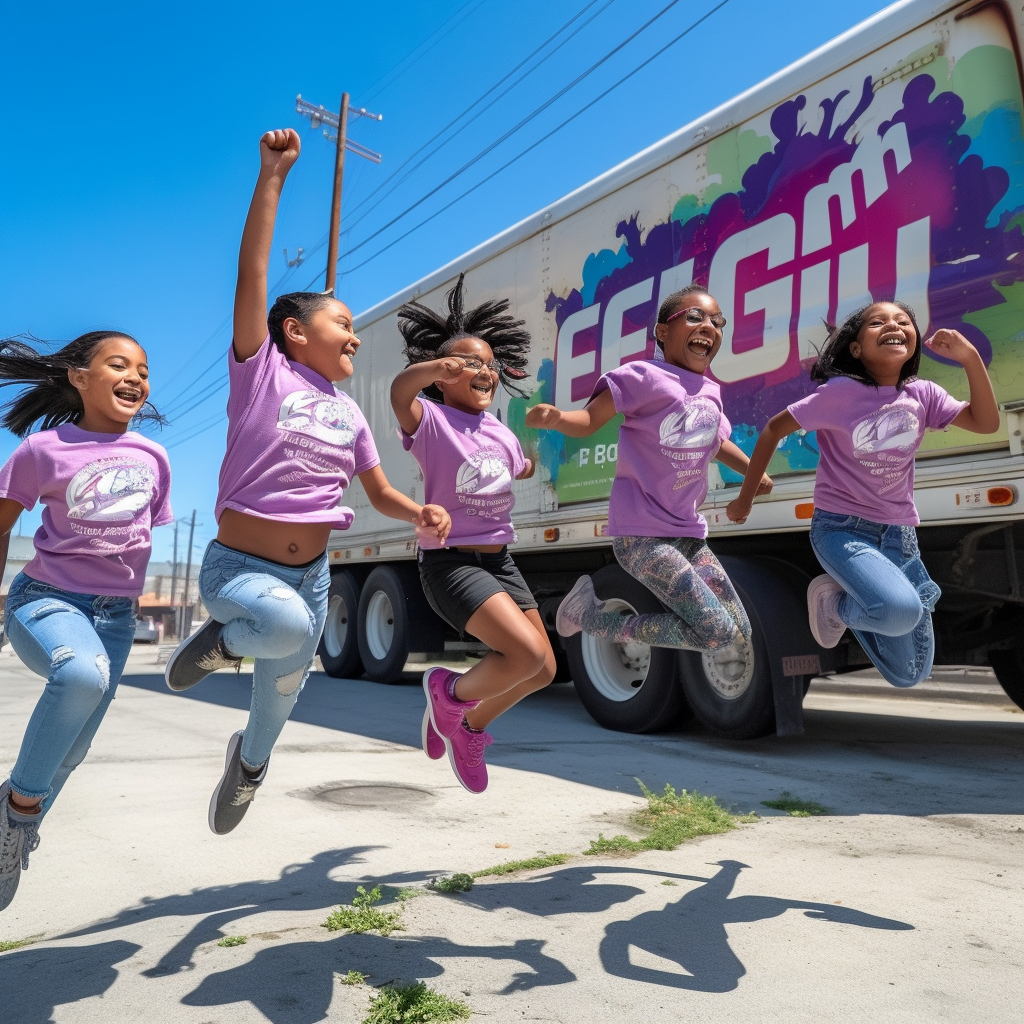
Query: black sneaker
point(17, 840)
point(235, 791)
point(202, 653)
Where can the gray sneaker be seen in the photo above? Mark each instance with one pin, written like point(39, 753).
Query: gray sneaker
point(575, 604)
point(234, 792)
point(202, 653)
point(17, 840)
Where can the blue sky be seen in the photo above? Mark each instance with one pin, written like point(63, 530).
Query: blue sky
point(131, 147)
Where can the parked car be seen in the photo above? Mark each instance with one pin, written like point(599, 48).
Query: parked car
point(148, 630)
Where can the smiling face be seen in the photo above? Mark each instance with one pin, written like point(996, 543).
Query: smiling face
point(113, 387)
point(325, 343)
point(474, 391)
point(691, 346)
point(886, 341)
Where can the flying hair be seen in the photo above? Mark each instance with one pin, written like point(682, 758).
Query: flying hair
point(835, 360)
point(429, 335)
point(49, 398)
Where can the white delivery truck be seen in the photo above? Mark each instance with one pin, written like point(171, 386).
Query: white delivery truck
point(890, 162)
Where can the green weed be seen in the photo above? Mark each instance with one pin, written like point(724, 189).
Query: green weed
point(414, 1004)
point(796, 807)
point(9, 944)
point(233, 940)
point(668, 881)
point(669, 819)
point(452, 883)
point(352, 978)
point(551, 860)
point(363, 916)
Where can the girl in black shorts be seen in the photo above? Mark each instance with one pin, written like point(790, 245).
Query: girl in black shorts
point(469, 460)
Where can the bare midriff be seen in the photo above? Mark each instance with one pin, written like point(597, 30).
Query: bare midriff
point(287, 543)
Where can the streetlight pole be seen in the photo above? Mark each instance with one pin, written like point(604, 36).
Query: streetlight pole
point(321, 116)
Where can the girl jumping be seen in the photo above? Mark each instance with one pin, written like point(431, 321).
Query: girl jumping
point(870, 413)
point(469, 460)
point(70, 614)
point(294, 444)
point(674, 426)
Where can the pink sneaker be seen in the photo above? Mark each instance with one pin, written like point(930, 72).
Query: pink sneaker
point(466, 754)
point(433, 745)
point(445, 710)
point(823, 595)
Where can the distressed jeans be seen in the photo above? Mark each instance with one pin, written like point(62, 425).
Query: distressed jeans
point(889, 596)
point(79, 643)
point(275, 614)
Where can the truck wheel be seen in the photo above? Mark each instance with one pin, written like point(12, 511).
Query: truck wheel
point(1008, 666)
point(395, 620)
point(627, 687)
point(339, 646)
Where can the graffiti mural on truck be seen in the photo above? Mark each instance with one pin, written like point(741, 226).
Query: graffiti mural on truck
point(800, 229)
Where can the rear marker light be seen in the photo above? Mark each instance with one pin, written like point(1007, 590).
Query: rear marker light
point(1001, 495)
point(551, 533)
point(804, 510)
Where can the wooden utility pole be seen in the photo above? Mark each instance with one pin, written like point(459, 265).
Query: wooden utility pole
point(339, 171)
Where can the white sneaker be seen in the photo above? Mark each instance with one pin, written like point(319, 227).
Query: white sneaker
point(575, 604)
point(823, 595)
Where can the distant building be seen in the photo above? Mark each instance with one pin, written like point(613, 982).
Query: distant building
point(19, 553)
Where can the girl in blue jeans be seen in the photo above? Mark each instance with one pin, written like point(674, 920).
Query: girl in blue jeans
point(870, 413)
point(70, 615)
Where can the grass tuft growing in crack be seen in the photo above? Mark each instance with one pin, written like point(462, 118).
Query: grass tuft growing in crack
point(352, 978)
point(233, 940)
point(8, 944)
point(669, 819)
point(796, 807)
point(451, 883)
point(363, 916)
point(414, 1004)
point(551, 860)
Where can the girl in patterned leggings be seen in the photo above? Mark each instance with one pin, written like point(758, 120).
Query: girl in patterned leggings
point(674, 426)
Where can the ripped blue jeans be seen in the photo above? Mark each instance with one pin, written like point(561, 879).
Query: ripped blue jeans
point(275, 614)
point(889, 596)
point(79, 643)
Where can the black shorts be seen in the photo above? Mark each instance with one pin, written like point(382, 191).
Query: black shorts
point(457, 582)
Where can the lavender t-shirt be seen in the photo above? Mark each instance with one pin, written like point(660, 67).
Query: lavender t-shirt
point(469, 461)
point(867, 437)
point(294, 442)
point(102, 494)
point(673, 428)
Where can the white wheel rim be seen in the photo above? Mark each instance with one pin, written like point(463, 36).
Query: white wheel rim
point(336, 627)
point(618, 671)
point(380, 625)
point(730, 670)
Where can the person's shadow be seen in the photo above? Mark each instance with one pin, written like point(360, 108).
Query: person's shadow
point(691, 932)
point(34, 982)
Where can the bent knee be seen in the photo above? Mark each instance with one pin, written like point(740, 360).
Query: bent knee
point(83, 673)
point(896, 617)
point(286, 614)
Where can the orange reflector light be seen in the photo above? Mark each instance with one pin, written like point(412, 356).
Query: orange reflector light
point(551, 533)
point(1001, 495)
point(367, 552)
point(804, 510)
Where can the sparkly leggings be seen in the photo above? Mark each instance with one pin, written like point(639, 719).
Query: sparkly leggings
point(683, 574)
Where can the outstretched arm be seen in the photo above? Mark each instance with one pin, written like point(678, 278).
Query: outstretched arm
point(735, 458)
point(412, 380)
point(779, 426)
point(278, 151)
point(396, 505)
point(577, 422)
point(982, 413)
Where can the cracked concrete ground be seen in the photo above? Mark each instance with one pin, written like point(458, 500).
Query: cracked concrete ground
point(903, 905)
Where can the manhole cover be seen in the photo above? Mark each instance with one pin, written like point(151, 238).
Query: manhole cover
point(381, 795)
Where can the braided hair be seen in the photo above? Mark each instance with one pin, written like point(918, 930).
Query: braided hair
point(429, 335)
point(49, 396)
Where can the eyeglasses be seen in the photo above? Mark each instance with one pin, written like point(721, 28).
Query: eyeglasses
point(476, 364)
point(695, 315)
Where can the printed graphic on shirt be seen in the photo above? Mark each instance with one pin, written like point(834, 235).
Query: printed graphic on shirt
point(695, 427)
point(885, 444)
point(110, 490)
point(313, 414)
point(484, 482)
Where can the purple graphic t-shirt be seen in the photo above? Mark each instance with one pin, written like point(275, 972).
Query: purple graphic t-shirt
point(469, 461)
point(102, 494)
point(294, 442)
point(673, 428)
point(868, 437)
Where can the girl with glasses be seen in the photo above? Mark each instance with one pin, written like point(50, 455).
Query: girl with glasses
point(674, 426)
point(469, 459)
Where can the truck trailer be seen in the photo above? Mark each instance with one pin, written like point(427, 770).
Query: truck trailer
point(889, 163)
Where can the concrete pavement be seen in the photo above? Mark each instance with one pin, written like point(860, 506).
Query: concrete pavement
point(901, 906)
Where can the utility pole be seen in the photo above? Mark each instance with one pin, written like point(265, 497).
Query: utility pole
point(186, 614)
point(321, 116)
point(174, 565)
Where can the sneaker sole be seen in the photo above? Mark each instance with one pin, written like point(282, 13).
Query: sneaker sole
point(560, 626)
point(813, 588)
point(173, 659)
point(234, 746)
point(425, 725)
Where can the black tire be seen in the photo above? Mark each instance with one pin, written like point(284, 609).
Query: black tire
point(1008, 666)
point(394, 621)
point(636, 695)
point(339, 646)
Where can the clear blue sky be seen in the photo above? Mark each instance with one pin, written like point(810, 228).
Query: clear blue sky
point(130, 137)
